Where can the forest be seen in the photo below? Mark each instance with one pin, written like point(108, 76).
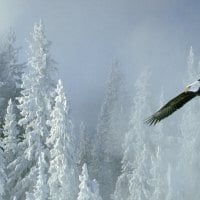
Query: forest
point(43, 156)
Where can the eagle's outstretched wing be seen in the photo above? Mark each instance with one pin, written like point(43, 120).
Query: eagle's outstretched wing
point(170, 107)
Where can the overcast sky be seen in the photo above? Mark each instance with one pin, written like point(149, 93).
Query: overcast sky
point(87, 35)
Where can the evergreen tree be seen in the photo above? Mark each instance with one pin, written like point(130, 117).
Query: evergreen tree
point(11, 141)
point(62, 180)
point(111, 128)
point(11, 133)
point(137, 148)
point(11, 73)
point(35, 105)
point(88, 189)
point(190, 141)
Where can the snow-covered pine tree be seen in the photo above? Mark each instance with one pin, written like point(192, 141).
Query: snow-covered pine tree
point(88, 190)
point(35, 105)
point(137, 151)
point(11, 73)
point(111, 129)
point(39, 83)
point(62, 170)
point(189, 152)
point(41, 189)
point(11, 132)
point(11, 141)
point(18, 170)
point(85, 192)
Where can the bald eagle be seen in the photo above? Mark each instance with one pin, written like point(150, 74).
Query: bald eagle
point(177, 102)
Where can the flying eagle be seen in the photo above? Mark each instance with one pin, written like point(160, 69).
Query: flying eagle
point(177, 102)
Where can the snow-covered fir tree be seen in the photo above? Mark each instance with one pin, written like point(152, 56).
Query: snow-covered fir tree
point(111, 129)
point(18, 169)
point(62, 170)
point(11, 141)
point(189, 152)
point(11, 133)
point(88, 190)
point(133, 182)
point(35, 105)
point(11, 73)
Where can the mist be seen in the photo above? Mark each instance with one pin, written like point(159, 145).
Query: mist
point(88, 36)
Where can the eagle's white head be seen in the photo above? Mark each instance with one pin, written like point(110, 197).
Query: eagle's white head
point(194, 87)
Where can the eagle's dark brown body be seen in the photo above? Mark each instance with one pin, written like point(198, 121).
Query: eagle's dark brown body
point(174, 104)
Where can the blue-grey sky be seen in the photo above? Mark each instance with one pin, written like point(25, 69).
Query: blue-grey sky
point(87, 35)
